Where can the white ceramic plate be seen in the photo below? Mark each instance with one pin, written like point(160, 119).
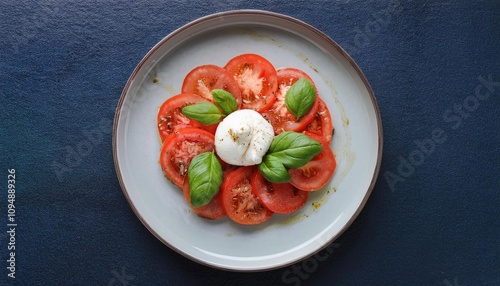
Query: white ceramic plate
point(284, 239)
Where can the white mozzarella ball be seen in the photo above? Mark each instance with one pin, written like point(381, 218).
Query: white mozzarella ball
point(243, 138)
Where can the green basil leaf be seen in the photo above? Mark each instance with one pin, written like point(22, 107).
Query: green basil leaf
point(203, 112)
point(300, 97)
point(205, 178)
point(294, 149)
point(273, 170)
point(225, 100)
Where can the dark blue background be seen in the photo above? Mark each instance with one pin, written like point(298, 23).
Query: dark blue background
point(432, 219)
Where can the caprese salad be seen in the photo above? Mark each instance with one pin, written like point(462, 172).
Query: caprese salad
point(246, 140)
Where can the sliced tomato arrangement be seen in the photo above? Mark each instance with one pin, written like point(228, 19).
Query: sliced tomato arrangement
point(170, 118)
point(238, 199)
point(212, 210)
point(244, 195)
point(280, 117)
point(314, 175)
point(179, 149)
point(203, 79)
point(282, 198)
point(256, 78)
point(322, 124)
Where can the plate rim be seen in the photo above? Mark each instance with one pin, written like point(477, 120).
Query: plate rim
point(247, 12)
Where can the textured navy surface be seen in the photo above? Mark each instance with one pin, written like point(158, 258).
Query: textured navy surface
point(432, 219)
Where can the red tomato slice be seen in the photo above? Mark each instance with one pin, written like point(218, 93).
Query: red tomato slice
point(212, 210)
point(278, 115)
point(256, 78)
point(316, 173)
point(179, 149)
point(322, 124)
point(238, 200)
point(203, 79)
point(170, 117)
point(280, 198)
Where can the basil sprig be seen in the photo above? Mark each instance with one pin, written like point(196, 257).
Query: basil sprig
point(288, 150)
point(273, 170)
point(208, 113)
point(225, 100)
point(294, 149)
point(204, 112)
point(300, 97)
point(205, 178)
